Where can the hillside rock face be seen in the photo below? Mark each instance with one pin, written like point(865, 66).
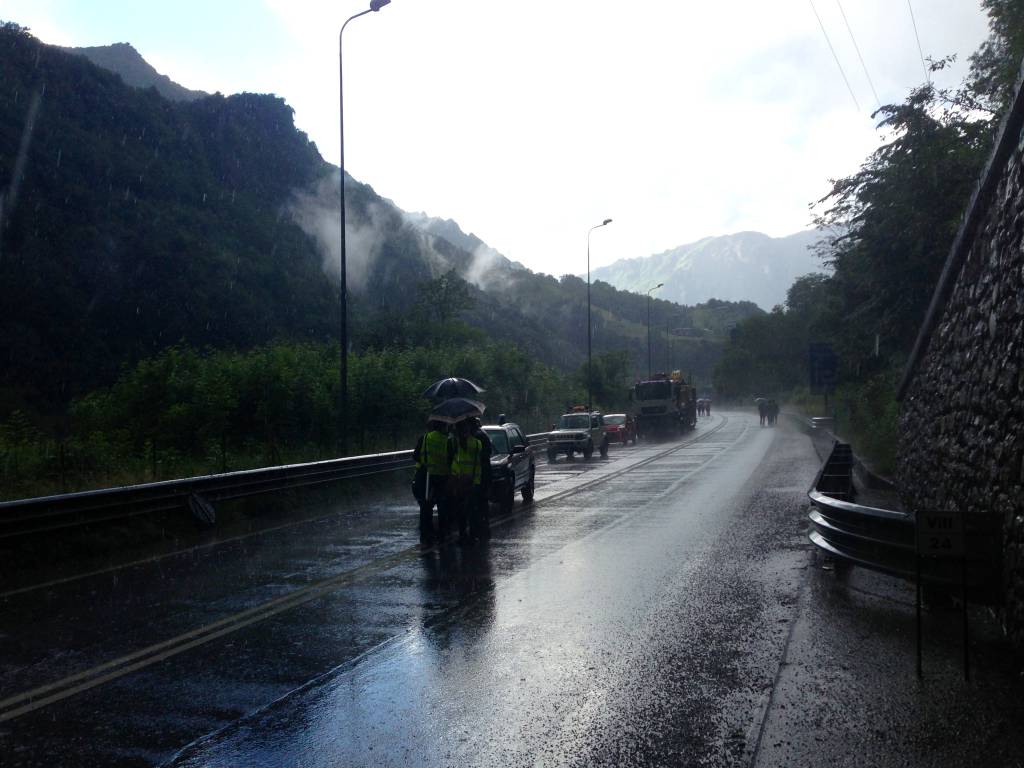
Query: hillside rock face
point(962, 414)
point(122, 59)
point(747, 266)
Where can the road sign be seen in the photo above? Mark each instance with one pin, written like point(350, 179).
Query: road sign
point(940, 534)
point(823, 368)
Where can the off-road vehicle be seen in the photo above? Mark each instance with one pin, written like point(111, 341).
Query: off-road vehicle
point(578, 432)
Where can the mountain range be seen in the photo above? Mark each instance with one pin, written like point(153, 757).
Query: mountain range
point(132, 222)
point(124, 60)
point(746, 266)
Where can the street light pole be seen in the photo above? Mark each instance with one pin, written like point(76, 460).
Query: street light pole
point(670, 335)
point(668, 347)
point(375, 5)
point(590, 377)
point(650, 370)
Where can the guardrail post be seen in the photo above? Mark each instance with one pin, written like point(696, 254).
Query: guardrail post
point(201, 509)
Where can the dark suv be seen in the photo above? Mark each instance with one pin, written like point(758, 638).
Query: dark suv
point(512, 465)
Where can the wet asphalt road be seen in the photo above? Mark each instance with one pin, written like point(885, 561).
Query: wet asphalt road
point(637, 613)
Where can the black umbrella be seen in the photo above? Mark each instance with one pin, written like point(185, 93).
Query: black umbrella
point(452, 387)
point(457, 409)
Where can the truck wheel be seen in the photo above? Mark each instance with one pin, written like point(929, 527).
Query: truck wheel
point(552, 456)
point(527, 490)
point(604, 449)
point(589, 450)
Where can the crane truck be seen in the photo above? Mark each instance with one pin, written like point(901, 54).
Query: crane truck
point(664, 405)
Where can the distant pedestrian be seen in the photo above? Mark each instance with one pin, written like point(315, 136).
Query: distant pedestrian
point(433, 456)
point(762, 410)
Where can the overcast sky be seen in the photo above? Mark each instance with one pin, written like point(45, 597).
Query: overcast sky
point(530, 121)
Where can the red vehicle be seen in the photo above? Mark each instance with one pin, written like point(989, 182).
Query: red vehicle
point(620, 428)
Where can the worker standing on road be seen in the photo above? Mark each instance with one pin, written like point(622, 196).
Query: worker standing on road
point(479, 522)
point(465, 476)
point(433, 456)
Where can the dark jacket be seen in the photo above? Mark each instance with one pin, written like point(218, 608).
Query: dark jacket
point(486, 449)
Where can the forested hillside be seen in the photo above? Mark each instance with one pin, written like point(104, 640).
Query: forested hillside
point(892, 226)
point(132, 223)
point(163, 263)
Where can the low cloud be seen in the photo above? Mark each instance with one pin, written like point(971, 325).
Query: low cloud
point(487, 268)
point(317, 214)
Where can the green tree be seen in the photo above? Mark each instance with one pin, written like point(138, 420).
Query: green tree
point(896, 218)
point(995, 66)
point(610, 377)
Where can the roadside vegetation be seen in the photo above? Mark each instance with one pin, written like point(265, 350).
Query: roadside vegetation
point(889, 228)
point(188, 412)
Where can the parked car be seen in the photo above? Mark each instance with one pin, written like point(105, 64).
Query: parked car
point(620, 428)
point(513, 466)
point(578, 431)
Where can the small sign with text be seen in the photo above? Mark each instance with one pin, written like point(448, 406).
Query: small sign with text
point(940, 534)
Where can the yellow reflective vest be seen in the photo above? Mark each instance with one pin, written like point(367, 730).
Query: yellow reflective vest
point(434, 453)
point(466, 462)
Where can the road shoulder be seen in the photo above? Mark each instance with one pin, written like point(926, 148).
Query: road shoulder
point(847, 692)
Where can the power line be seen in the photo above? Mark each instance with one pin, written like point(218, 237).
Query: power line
point(834, 56)
point(927, 74)
point(857, 49)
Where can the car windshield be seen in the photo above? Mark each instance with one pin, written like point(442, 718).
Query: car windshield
point(499, 440)
point(574, 421)
point(653, 390)
point(615, 419)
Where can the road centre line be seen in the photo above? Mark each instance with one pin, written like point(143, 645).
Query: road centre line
point(82, 681)
point(405, 638)
point(197, 547)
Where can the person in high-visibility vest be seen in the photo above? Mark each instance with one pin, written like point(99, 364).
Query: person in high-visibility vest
point(465, 476)
point(433, 457)
point(480, 519)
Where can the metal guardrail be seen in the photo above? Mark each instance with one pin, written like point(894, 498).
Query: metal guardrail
point(197, 494)
point(821, 422)
point(884, 540)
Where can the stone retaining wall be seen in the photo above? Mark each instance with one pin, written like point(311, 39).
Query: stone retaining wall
point(962, 412)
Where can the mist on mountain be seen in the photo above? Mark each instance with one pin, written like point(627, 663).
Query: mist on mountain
point(143, 223)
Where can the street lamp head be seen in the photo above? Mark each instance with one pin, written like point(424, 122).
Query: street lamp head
point(659, 285)
point(606, 221)
point(376, 5)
